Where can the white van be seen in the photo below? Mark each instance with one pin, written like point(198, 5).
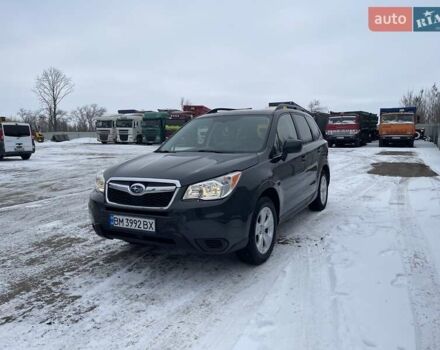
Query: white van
point(16, 140)
point(129, 128)
point(106, 128)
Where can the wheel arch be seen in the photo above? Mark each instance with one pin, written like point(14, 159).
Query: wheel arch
point(272, 194)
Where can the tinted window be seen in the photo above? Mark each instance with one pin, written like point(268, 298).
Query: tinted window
point(227, 134)
point(285, 130)
point(16, 130)
point(314, 127)
point(303, 128)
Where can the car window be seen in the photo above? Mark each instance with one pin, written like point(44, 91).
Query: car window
point(304, 132)
point(16, 130)
point(314, 127)
point(285, 130)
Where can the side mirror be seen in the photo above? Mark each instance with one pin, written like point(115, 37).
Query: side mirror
point(292, 146)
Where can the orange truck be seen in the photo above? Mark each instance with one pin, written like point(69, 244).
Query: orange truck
point(397, 126)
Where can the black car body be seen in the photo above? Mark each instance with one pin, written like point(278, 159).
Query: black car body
point(281, 165)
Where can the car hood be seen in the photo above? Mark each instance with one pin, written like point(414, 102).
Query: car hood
point(187, 167)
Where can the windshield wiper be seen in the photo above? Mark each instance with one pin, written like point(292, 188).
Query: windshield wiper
point(210, 151)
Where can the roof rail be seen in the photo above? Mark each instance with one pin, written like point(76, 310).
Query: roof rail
point(288, 104)
point(216, 110)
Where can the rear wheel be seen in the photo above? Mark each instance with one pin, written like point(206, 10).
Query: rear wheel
point(25, 156)
point(381, 143)
point(262, 234)
point(320, 201)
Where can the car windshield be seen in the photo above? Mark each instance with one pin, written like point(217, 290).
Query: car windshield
point(221, 134)
point(397, 118)
point(104, 123)
point(342, 120)
point(124, 123)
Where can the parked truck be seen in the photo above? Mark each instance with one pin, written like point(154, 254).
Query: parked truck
point(397, 126)
point(129, 128)
point(153, 127)
point(106, 128)
point(352, 127)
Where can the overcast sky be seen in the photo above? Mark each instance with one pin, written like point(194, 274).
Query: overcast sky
point(148, 54)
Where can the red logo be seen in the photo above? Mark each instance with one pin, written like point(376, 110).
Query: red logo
point(390, 19)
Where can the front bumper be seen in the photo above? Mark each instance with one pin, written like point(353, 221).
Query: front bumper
point(214, 227)
point(397, 137)
point(342, 138)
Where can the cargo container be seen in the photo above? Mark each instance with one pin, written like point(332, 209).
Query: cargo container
point(196, 110)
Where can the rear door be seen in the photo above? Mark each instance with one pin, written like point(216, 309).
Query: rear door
point(17, 137)
point(310, 154)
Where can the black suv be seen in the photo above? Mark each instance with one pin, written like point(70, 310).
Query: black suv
point(221, 184)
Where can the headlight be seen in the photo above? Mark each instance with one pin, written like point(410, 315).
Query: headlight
point(217, 188)
point(100, 181)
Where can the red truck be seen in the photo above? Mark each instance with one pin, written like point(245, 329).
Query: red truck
point(353, 127)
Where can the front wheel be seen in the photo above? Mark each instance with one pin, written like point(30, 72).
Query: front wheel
point(320, 201)
point(25, 156)
point(262, 234)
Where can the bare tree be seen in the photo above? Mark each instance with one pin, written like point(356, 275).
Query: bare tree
point(315, 106)
point(30, 117)
point(184, 101)
point(51, 87)
point(85, 116)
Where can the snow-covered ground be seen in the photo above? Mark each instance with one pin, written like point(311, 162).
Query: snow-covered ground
point(362, 274)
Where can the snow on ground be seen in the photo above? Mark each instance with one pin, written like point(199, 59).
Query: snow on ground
point(362, 274)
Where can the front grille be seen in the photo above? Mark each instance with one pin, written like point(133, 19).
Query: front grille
point(123, 137)
point(150, 200)
point(103, 137)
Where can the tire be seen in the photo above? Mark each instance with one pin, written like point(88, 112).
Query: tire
point(262, 235)
point(104, 142)
point(411, 143)
point(320, 201)
point(25, 156)
point(357, 143)
point(139, 139)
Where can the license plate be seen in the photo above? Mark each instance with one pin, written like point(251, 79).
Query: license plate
point(18, 147)
point(340, 137)
point(396, 137)
point(133, 223)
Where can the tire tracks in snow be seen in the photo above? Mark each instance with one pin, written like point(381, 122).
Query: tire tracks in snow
point(420, 270)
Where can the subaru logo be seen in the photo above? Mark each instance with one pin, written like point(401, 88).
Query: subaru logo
point(137, 189)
